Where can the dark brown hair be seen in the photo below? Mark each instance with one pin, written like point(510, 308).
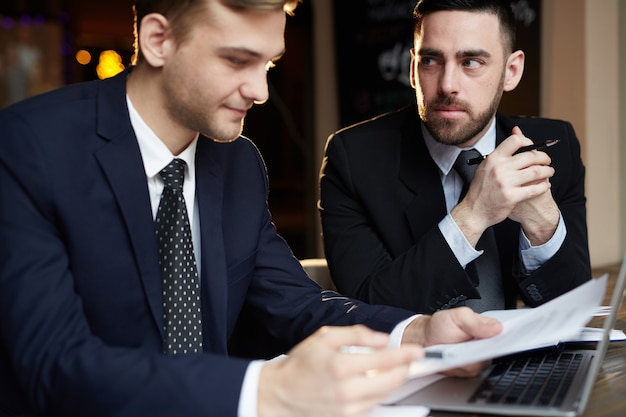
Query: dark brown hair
point(500, 8)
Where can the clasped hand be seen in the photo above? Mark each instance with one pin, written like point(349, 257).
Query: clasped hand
point(514, 186)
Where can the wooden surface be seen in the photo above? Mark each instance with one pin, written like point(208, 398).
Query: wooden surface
point(608, 398)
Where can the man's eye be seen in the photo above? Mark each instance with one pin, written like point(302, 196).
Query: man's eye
point(237, 61)
point(427, 61)
point(472, 63)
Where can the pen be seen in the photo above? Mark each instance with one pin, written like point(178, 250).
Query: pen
point(435, 354)
point(534, 147)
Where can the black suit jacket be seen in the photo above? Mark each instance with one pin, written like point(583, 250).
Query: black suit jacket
point(381, 201)
point(81, 329)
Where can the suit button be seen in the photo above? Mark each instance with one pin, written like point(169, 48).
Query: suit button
point(533, 293)
point(453, 302)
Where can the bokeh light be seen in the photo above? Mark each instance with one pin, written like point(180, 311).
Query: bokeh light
point(109, 64)
point(83, 57)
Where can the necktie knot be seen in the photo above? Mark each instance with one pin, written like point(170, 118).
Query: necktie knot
point(465, 170)
point(173, 174)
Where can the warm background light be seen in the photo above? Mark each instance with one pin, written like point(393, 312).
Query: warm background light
point(110, 64)
point(83, 57)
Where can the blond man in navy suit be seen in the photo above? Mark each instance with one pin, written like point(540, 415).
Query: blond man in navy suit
point(81, 292)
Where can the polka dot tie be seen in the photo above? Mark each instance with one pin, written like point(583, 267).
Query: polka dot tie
point(181, 289)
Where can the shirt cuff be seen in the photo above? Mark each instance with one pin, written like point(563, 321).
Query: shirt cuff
point(248, 397)
point(535, 256)
point(395, 337)
point(463, 251)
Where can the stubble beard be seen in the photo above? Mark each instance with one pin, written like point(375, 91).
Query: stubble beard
point(210, 127)
point(456, 132)
point(190, 111)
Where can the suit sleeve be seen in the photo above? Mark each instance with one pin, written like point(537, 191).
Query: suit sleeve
point(570, 266)
point(59, 363)
point(288, 304)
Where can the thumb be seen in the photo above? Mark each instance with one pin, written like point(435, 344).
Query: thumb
point(480, 327)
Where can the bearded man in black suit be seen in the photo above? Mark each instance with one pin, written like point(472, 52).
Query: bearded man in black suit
point(399, 228)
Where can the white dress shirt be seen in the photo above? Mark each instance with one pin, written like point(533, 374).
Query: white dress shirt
point(156, 156)
point(445, 156)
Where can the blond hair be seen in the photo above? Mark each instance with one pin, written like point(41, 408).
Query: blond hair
point(180, 13)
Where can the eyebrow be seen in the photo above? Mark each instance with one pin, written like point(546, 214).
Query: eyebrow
point(249, 52)
point(473, 53)
point(461, 54)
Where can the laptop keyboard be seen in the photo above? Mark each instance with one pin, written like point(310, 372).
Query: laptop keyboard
point(530, 380)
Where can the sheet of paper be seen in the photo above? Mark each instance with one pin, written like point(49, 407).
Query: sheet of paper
point(559, 319)
point(587, 334)
point(399, 411)
point(411, 386)
point(592, 334)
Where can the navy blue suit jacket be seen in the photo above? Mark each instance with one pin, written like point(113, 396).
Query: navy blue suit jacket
point(382, 199)
point(80, 285)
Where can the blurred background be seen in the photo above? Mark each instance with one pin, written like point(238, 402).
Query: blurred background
point(346, 61)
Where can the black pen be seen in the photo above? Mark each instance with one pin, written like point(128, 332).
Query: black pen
point(534, 147)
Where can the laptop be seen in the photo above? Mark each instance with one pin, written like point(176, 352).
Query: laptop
point(555, 381)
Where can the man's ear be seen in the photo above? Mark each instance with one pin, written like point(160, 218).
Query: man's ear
point(514, 70)
point(154, 39)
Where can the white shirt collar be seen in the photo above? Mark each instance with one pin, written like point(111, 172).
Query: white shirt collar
point(445, 155)
point(156, 155)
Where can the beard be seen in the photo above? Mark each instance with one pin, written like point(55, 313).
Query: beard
point(192, 115)
point(455, 132)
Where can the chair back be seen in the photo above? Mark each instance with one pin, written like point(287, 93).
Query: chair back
point(317, 270)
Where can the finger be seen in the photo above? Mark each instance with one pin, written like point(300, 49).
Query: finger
point(534, 175)
point(517, 131)
point(380, 360)
point(513, 142)
point(374, 386)
point(336, 337)
point(530, 191)
point(530, 158)
point(476, 325)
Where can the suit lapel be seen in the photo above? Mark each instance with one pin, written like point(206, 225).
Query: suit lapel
point(420, 174)
point(210, 194)
point(122, 164)
point(504, 126)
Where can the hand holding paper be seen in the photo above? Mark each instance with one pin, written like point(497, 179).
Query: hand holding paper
point(557, 320)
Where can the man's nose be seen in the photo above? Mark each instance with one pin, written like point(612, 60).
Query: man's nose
point(255, 87)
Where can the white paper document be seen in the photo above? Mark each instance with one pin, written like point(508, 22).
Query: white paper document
point(586, 334)
point(558, 320)
point(399, 411)
point(592, 334)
